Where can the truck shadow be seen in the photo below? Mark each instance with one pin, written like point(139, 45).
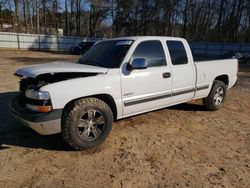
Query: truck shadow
point(13, 133)
point(188, 107)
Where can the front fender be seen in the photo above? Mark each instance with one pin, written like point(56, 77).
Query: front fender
point(63, 92)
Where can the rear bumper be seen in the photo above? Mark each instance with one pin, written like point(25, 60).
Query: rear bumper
point(42, 123)
point(232, 82)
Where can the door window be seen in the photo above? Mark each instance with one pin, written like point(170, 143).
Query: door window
point(151, 51)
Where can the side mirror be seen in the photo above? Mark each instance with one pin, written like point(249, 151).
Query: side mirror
point(138, 63)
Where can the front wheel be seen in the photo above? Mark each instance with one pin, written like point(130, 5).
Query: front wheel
point(86, 123)
point(216, 97)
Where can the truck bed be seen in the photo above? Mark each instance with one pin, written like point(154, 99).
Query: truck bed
point(207, 71)
point(198, 59)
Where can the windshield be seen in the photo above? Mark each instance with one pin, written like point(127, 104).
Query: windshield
point(108, 54)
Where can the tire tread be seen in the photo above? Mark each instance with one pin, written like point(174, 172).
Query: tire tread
point(69, 115)
point(209, 100)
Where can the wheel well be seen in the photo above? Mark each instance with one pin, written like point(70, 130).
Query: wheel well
point(108, 99)
point(223, 78)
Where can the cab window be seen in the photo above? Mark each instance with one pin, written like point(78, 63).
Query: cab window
point(177, 52)
point(152, 51)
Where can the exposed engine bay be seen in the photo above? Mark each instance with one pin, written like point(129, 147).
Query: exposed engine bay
point(36, 76)
point(45, 79)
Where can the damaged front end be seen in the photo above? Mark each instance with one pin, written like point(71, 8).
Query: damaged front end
point(32, 78)
point(39, 101)
point(45, 79)
point(33, 107)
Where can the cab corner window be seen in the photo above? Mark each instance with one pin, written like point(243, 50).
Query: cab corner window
point(177, 52)
point(152, 51)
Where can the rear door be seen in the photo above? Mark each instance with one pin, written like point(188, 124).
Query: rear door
point(150, 88)
point(183, 71)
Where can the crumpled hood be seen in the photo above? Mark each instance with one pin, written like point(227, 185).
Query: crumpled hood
point(58, 67)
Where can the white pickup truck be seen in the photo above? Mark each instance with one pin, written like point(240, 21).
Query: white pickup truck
point(116, 78)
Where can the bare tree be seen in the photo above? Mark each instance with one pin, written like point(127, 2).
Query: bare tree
point(98, 12)
point(196, 20)
point(71, 17)
point(30, 21)
point(185, 16)
point(24, 15)
point(17, 14)
point(77, 5)
point(220, 14)
point(2, 4)
point(66, 17)
point(45, 16)
point(38, 16)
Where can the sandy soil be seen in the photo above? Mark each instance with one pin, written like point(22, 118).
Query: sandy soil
point(180, 146)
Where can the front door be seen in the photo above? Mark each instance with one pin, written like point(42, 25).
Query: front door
point(147, 89)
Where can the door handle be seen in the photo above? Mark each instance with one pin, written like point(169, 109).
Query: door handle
point(166, 75)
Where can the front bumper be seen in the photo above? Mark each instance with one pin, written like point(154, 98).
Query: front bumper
point(43, 123)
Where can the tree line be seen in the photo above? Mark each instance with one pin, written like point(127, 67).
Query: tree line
point(196, 20)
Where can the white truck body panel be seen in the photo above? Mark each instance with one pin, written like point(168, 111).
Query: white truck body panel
point(183, 77)
point(127, 87)
point(137, 91)
point(63, 92)
point(207, 71)
point(58, 67)
point(143, 84)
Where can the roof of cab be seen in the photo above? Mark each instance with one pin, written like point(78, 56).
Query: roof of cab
point(144, 37)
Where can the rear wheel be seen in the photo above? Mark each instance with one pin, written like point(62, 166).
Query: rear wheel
point(87, 123)
point(216, 97)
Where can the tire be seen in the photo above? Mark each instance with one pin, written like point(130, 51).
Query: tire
point(86, 123)
point(216, 97)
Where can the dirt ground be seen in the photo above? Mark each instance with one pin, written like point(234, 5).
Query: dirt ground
point(180, 146)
